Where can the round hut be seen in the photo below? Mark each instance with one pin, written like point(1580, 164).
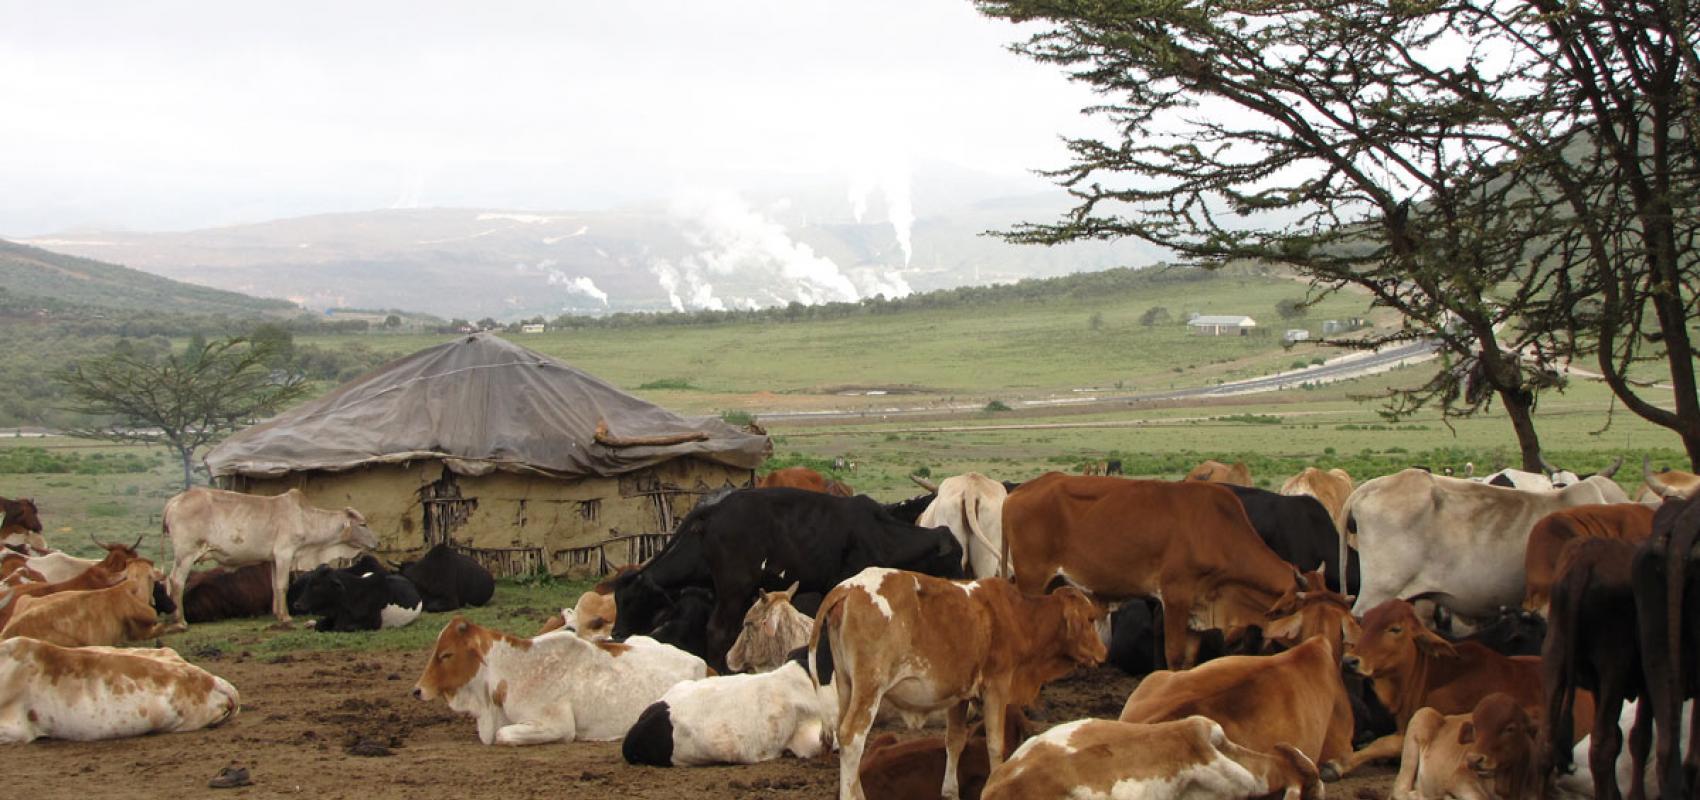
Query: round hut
point(517, 459)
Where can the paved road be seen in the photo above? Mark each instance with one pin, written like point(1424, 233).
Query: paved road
point(1337, 369)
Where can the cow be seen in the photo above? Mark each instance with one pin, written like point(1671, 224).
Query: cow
point(1185, 758)
point(1486, 754)
point(1592, 644)
point(108, 616)
point(766, 539)
point(95, 577)
point(1113, 467)
point(1665, 484)
point(1579, 785)
point(237, 529)
point(222, 593)
point(91, 693)
point(684, 622)
point(55, 567)
point(347, 601)
point(15, 571)
point(794, 478)
point(887, 633)
point(971, 506)
point(1330, 488)
point(772, 628)
point(20, 524)
point(893, 770)
point(1414, 667)
point(1093, 468)
point(448, 580)
point(1419, 532)
point(1629, 522)
point(554, 688)
point(1217, 472)
point(736, 719)
point(1667, 590)
point(1188, 543)
point(1295, 697)
point(1300, 531)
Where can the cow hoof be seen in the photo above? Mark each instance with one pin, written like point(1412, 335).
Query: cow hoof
point(1330, 771)
point(175, 627)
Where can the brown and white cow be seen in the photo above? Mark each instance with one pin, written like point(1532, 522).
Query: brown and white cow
point(1627, 522)
point(236, 529)
point(922, 643)
point(119, 613)
point(552, 688)
point(90, 693)
point(1185, 758)
point(1330, 488)
point(971, 506)
point(772, 629)
point(1217, 472)
point(1486, 754)
point(1187, 543)
point(1420, 533)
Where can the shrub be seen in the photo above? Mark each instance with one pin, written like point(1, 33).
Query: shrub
point(997, 405)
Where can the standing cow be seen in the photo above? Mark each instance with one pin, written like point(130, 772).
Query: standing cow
point(237, 529)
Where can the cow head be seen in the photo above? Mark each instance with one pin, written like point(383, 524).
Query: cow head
point(1500, 740)
point(1080, 627)
point(1301, 614)
point(1392, 640)
point(20, 513)
point(759, 645)
point(455, 660)
point(118, 554)
point(310, 590)
point(355, 532)
point(640, 601)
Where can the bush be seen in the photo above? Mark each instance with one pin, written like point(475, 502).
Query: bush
point(737, 417)
point(922, 471)
point(997, 405)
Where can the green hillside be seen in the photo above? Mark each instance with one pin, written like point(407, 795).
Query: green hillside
point(60, 282)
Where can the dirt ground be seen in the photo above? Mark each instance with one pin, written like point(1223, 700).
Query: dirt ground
point(335, 725)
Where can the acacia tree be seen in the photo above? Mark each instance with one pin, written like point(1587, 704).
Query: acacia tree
point(184, 401)
point(1414, 150)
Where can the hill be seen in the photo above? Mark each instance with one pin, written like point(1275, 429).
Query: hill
point(59, 282)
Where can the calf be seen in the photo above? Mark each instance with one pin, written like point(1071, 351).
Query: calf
point(893, 770)
point(772, 629)
point(554, 688)
point(93, 693)
point(923, 643)
point(736, 719)
point(348, 602)
point(1186, 758)
point(107, 616)
point(1627, 522)
point(1485, 754)
point(448, 580)
point(223, 593)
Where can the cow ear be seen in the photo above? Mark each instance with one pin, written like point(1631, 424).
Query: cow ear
point(1285, 629)
point(1433, 644)
point(792, 592)
point(1350, 630)
point(1467, 733)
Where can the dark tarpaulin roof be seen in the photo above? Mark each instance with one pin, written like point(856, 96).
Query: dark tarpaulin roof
point(481, 403)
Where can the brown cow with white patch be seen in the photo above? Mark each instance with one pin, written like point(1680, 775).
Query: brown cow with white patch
point(90, 693)
point(1330, 488)
point(922, 643)
point(1213, 471)
point(118, 613)
point(1486, 754)
point(1186, 758)
point(1627, 522)
point(1187, 543)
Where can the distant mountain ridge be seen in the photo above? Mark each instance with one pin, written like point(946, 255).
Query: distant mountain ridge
point(67, 280)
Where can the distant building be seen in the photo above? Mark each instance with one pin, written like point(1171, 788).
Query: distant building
point(1296, 335)
point(531, 327)
point(1221, 325)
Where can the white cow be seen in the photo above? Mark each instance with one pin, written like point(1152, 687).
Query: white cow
point(89, 693)
point(736, 719)
point(236, 530)
point(556, 687)
point(1419, 532)
point(971, 506)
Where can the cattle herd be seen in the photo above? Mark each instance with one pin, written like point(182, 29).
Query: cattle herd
point(1518, 635)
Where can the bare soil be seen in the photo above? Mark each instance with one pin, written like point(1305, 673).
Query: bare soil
point(334, 725)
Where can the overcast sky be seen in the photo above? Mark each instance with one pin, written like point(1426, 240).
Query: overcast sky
point(171, 115)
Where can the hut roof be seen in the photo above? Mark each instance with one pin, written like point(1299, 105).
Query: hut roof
point(481, 403)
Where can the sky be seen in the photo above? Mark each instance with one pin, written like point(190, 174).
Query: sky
point(179, 115)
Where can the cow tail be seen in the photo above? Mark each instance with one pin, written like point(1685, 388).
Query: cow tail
point(968, 521)
point(819, 635)
point(1345, 547)
point(1563, 617)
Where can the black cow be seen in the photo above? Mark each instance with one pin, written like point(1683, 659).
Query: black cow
point(1666, 584)
point(684, 623)
point(1113, 467)
point(448, 580)
point(346, 600)
point(1300, 531)
point(224, 593)
point(1512, 631)
point(767, 539)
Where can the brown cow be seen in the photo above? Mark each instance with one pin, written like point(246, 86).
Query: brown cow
point(593, 616)
point(922, 643)
point(1187, 543)
point(1414, 667)
point(1627, 522)
point(223, 593)
point(118, 613)
point(20, 524)
point(1330, 488)
point(1486, 754)
point(96, 577)
point(795, 478)
point(1217, 472)
point(893, 770)
point(1665, 485)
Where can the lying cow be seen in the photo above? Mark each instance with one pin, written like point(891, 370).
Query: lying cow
point(448, 580)
point(1185, 758)
point(237, 529)
point(222, 593)
point(368, 601)
point(56, 567)
point(772, 629)
point(922, 643)
point(553, 688)
point(736, 719)
point(1486, 754)
point(93, 693)
point(894, 770)
point(119, 613)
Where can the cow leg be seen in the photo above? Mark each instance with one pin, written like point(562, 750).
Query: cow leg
point(955, 740)
point(1411, 757)
point(856, 719)
point(1640, 742)
point(179, 576)
point(1389, 746)
point(540, 732)
point(1608, 739)
point(1177, 609)
point(280, 587)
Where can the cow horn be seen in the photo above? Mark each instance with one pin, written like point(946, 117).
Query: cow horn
point(925, 484)
point(98, 543)
point(1657, 486)
point(138, 541)
point(1547, 465)
point(1611, 470)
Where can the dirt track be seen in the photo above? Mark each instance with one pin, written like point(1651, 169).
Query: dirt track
point(302, 716)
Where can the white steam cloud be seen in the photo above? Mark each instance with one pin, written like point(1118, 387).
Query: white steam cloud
point(887, 176)
point(574, 285)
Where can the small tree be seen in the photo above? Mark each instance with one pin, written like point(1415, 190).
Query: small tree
point(185, 402)
point(1096, 322)
point(1154, 316)
point(1291, 308)
point(392, 321)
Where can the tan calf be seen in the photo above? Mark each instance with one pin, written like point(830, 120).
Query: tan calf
point(1484, 755)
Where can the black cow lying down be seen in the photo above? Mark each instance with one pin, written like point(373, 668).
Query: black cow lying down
point(448, 580)
point(354, 599)
point(765, 540)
